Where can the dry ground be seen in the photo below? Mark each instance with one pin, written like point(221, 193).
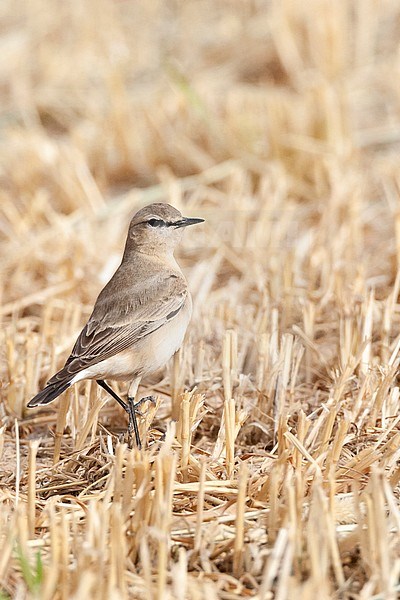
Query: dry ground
point(277, 475)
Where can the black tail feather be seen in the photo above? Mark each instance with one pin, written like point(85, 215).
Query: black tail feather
point(49, 393)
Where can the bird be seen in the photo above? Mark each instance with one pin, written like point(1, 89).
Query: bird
point(140, 317)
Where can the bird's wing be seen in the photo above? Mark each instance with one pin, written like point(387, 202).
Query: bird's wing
point(117, 325)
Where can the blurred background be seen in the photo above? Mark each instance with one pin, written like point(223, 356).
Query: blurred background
point(279, 122)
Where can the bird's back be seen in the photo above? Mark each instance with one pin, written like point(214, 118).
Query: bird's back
point(136, 288)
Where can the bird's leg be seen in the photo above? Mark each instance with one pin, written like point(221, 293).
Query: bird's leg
point(130, 408)
point(113, 394)
point(133, 425)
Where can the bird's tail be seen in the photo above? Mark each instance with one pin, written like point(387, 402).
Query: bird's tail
point(52, 390)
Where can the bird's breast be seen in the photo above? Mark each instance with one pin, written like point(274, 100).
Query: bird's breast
point(159, 346)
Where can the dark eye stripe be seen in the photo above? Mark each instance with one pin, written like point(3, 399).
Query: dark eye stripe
point(156, 223)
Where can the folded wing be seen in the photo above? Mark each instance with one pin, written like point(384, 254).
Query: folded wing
point(117, 324)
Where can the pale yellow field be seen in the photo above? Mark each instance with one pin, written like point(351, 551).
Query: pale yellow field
point(277, 475)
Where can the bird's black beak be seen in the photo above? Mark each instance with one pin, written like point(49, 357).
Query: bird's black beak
point(187, 221)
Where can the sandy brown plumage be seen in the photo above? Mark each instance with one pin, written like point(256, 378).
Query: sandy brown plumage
point(140, 317)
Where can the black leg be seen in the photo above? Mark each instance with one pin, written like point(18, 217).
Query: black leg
point(113, 394)
point(130, 408)
point(133, 421)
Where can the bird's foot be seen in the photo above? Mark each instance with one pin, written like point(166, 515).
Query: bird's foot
point(143, 401)
point(133, 410)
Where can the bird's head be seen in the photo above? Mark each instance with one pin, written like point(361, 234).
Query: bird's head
point(157, 228)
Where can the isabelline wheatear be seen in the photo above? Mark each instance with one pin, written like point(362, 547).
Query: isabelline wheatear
point(139, 319)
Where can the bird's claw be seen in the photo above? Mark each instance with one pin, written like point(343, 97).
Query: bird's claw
point(143, 401)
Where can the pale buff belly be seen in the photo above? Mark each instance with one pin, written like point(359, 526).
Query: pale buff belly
point(148, 355)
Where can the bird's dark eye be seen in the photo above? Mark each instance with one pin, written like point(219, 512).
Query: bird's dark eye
point(156, 222)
